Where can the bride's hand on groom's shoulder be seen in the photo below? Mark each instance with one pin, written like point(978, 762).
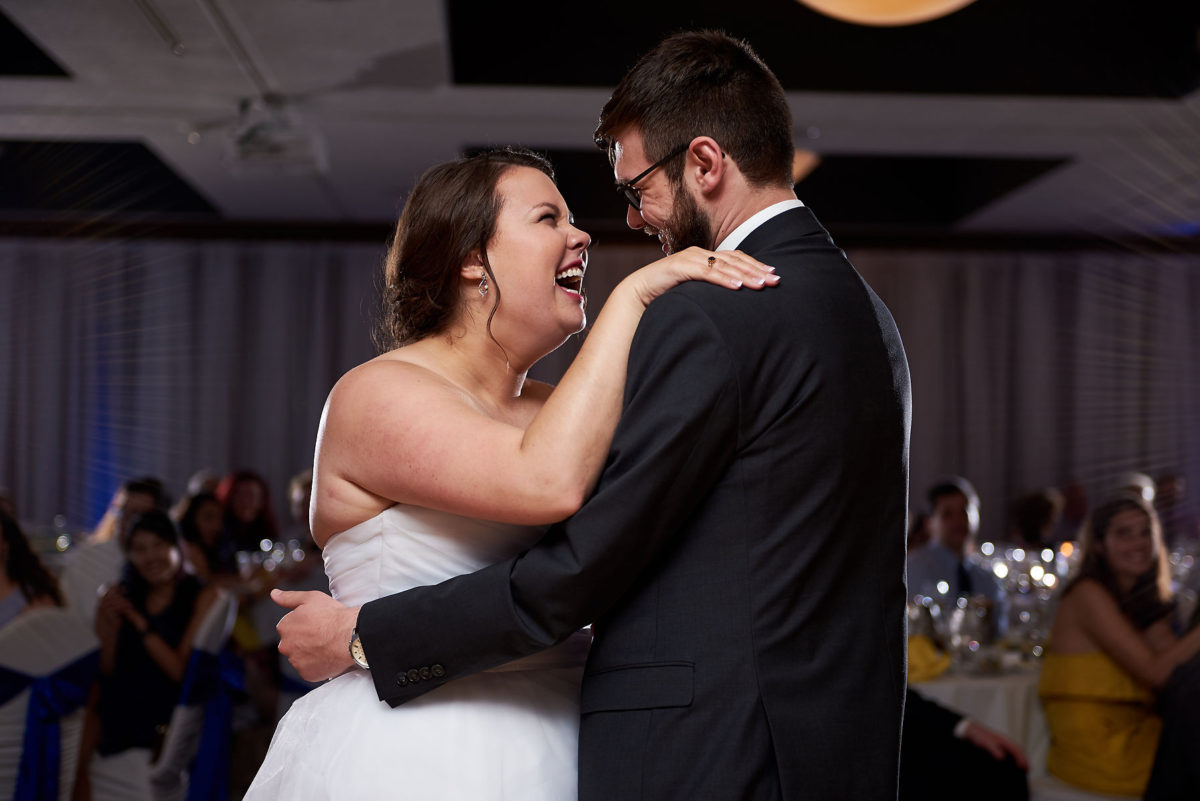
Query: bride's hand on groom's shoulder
point(315, 635)
point(731, 269)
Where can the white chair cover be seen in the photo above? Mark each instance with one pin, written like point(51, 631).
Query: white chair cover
point(86, 568)
point(124, 776)
point(38, 643)
point(169, 774)
point(1048, 788)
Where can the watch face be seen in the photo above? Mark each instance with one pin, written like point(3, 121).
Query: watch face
point(356, 651)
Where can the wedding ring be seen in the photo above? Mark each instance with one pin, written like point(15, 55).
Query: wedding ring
point(711, 261)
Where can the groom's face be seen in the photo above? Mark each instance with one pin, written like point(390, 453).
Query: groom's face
point(668, 210)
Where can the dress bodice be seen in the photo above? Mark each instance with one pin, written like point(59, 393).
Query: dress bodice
point(410, 546)
point(1103, 729)
point(506, 734)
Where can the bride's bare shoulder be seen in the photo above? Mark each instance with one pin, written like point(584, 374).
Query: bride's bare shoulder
point(394, 377)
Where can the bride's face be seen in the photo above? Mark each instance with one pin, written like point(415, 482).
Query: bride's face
point(538, 257)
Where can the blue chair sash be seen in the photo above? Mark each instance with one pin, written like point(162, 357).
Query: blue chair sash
point(51, 698)
point(211, 679)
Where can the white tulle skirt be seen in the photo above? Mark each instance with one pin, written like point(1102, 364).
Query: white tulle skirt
point(508, 734)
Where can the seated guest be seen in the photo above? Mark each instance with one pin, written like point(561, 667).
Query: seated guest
point(943, 567)
point(134, 498)
point(145, 625)
point(1074, 511)
point(1111, 651)
point(209, 552)
point(203, 480)
point(1179, 524)
point(1134, 483)
point(24, 580)
point(946, 755)
point(1034, 518)
point(247, 509)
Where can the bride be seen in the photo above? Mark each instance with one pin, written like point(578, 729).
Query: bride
point(438, 458)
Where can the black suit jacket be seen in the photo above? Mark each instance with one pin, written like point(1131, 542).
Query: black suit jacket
point(742, 557)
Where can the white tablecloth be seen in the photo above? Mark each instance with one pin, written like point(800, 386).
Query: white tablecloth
point(1007, 703)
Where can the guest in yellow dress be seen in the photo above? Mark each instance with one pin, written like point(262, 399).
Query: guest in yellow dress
point(1112, 651)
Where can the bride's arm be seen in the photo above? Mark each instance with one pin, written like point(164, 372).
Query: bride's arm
point(406, 435)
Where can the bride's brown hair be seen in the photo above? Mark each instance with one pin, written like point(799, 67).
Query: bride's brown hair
point(450, 214)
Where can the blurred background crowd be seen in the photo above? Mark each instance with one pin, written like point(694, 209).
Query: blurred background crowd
point(145, 581)
point(1093, 603)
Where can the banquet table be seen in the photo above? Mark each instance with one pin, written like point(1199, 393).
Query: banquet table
point(1005, 702)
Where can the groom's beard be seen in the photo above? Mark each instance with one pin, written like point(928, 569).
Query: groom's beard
point(687, 226)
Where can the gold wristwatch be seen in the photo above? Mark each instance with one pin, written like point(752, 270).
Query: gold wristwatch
point(356, 651)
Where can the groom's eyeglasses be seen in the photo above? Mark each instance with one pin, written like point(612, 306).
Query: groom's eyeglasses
point(633, 195)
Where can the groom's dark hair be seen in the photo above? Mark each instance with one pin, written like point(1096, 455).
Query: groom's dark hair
point(704, 83)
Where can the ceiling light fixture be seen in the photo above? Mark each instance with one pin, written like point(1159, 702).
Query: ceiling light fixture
point(886, 13)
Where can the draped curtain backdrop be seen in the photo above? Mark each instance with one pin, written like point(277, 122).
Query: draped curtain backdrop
point(127, 359)
point(120, 359)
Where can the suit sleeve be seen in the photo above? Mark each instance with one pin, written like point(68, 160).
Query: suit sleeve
point(677, 433)
point(924, 718)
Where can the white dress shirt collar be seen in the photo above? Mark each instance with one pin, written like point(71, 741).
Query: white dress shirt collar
point(737, 235)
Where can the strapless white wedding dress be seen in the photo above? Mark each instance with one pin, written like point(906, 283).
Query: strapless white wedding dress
point(507, 733)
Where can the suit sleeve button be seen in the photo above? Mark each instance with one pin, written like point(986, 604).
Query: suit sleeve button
point(402, 680)
point(425, 673)
point(438, 671)
point(414, 675)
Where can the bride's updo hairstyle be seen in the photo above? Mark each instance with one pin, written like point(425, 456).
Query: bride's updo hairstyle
point(450, 214)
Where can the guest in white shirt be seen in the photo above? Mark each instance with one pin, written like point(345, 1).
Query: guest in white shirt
point(944, 568)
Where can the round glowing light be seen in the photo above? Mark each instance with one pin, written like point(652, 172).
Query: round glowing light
point(298, 555)
point(63, 542)
point(886, 13)
point(987, 549)
point(943, 587)
point(1019, 554)
point(1049, 579)
point(1067, 548)
point(1047, 555)
point(1000, 569)
point(1036, 572)
point(1037, 650)
point(803, 162)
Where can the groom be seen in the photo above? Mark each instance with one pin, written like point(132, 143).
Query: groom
point(742, 557)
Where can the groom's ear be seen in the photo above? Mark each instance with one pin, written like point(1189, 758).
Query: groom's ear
point(706, 164)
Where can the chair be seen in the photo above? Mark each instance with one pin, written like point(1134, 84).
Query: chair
point(86, 568)
point(199, 726)
point(48, 660)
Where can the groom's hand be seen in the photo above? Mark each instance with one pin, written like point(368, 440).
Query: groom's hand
point(315, 635)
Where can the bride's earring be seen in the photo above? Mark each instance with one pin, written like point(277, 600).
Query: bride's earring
point(483, 286)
